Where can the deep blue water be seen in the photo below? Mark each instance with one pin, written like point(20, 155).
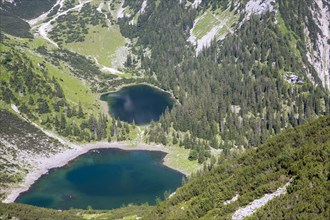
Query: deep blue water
point(104, 179)
point(140, 103)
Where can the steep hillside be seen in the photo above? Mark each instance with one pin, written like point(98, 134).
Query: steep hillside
point(27, 212)
point(298, 156)
point(212, 24)
point(44, 93)
point(255, 83)
point(15, 14)
point(14, 25)
point(43, 89)
point(20, 145)
point(27, 9)
point(310, 22)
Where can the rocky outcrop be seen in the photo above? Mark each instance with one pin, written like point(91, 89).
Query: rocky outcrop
point(319, 51)
point(196, 3)
point(259, 6)
point(241, 213)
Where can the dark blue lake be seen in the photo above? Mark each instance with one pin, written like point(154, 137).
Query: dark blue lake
point(104, 179)
point(140, 103)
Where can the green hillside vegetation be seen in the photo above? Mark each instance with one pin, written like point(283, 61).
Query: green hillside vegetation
point(210, 19)
point(35, 85)
point(89, 33)
point(73, 27)
point(66, 68)
point(27, 212)
point(75, 90)
point(82, 68)
point(101, 43)
point(232, 97)
point(130, 212)
point(299, 153)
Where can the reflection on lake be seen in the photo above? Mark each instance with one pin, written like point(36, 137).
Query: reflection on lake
point(141, 104)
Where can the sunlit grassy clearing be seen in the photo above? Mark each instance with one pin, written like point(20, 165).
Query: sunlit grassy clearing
point(211, 19)
point(100, 43)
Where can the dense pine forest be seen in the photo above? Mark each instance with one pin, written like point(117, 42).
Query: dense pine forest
point(244, 98)
point(299, 153)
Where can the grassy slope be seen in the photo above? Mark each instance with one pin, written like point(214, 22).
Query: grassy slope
point(178, 158)
point(130, 212)
point(211, 19)
point(100, 43)
point(74, 89)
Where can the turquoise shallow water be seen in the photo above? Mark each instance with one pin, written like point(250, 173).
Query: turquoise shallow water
point(104, 179)
point(141, 104)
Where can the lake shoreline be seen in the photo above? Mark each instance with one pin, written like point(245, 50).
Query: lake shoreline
point(118, 88)
point(63, 158)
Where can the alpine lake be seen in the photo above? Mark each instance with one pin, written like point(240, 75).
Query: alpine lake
point(140, 103)
point(112, 178)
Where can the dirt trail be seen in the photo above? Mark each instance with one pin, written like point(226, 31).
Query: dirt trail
point(44, 28)
point(34, 22)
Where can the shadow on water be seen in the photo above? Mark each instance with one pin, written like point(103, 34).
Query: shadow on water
point(140, 103)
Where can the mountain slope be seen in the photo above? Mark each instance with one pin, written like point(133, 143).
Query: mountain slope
point(27, 9)
point(27, 212)
point(19, 140)
point(310, 22)
point(15, 13)
point(255, 81)
point(300, 154)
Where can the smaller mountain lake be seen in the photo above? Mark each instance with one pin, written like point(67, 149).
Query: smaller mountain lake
point(104, 179)
point(140, 103)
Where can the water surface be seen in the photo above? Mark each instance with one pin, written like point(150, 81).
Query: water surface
point(104, 179)
point(140, 103)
